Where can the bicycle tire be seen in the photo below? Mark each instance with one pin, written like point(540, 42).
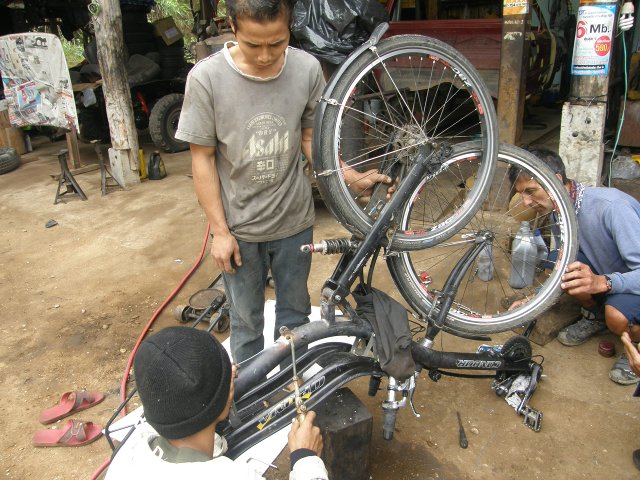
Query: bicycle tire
point(407, 91)
point(482, 307)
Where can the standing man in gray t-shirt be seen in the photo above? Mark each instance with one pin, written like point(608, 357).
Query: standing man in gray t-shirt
point(247, 114)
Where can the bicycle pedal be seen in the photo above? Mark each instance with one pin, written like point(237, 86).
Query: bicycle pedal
point(532, 418)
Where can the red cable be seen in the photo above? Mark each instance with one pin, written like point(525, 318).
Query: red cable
point(100, 469)
point(123, 386)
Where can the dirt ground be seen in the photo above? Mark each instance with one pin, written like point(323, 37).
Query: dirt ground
point(76, 296)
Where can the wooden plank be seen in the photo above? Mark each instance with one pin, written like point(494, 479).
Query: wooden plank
point(77, 171)
point(73, 155)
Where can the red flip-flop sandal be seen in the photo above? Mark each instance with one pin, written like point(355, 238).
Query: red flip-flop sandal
point(70, 402)
point(75, 433)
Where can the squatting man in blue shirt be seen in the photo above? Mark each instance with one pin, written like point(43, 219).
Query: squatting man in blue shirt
point(605, 278)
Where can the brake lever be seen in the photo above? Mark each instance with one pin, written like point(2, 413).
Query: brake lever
point(412, 390)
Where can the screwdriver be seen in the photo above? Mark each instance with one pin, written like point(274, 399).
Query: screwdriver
point(463, 438)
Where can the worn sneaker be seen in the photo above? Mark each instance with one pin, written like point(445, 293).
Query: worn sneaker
point(581, 331)
point(621, 372)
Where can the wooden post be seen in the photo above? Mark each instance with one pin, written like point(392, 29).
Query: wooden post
point(346, 427)
point(584, 115)
point(514, 57)
point(123, 153)
point(73, 158)
point(432, 9)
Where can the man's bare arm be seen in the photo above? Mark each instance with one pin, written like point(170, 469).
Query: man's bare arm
point(360, 183)
point(207, 185)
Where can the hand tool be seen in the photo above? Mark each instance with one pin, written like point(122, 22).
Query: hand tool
point(463, 438)
point(301, 409)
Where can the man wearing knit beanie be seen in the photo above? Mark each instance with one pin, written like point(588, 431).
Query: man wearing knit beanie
point(185, 381)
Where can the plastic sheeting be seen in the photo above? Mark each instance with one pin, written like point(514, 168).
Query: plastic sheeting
point(332, 29)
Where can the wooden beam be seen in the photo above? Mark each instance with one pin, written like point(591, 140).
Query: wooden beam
point(117, 95)
point(514, 58)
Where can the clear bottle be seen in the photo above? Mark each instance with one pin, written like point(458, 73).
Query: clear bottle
point(524, 255)
point(484, 264)
point(543, 251)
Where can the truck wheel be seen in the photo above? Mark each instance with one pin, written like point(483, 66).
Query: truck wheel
point(9, 160)
point(163, 123)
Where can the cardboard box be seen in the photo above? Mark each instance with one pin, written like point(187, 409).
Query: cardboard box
point(166, 28)
point(211, 45)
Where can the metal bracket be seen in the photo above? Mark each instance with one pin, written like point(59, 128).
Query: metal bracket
point(365, 351)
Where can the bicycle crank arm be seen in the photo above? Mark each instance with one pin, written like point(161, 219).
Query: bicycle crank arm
point(532, 417)
point(533, 384)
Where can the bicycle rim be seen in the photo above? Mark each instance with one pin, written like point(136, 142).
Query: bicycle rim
point(484, 306)
point(407, 92)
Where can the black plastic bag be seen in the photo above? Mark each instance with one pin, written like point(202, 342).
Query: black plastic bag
point(331, 30)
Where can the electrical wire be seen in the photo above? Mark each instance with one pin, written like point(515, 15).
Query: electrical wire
point(145, 330)
point(624, 104)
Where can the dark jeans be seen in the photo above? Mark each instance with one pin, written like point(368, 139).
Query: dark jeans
point(245, 288)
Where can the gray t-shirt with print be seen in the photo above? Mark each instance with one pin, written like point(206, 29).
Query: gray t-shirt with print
point(255, 125)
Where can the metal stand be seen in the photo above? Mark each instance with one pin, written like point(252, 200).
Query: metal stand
point(105, 173)
point(67, 180)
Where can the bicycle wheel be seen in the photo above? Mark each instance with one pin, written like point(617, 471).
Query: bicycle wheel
point(483, 306)
point(408, 91)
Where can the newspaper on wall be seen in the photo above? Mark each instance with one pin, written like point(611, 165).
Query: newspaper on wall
point(36, 81)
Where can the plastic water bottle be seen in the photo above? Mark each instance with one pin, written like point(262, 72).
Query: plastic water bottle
point(524, 255)
point(484, 264)
point(543, 251)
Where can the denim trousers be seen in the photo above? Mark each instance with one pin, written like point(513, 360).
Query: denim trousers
point(246, 288)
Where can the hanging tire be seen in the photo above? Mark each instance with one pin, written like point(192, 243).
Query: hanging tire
point(411, 91)
point(9, 160)
point(163, 123)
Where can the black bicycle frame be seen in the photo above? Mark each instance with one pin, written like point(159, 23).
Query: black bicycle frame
point(251, 421)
